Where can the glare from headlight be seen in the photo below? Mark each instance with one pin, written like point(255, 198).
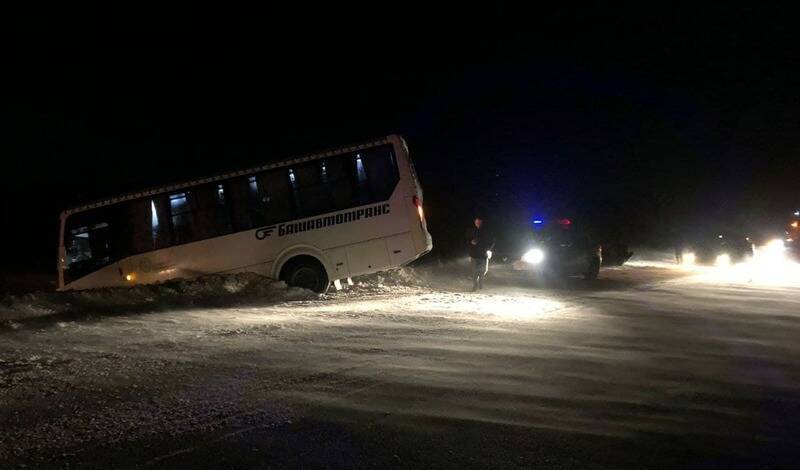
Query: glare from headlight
point(775, 246)
point(723, 260)
point(771, 264)
point(773, 253)
point(688, 258)
point(534, 256)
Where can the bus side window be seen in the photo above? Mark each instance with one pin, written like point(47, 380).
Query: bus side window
point(181, 215)
point(239, 194)
point(341, 173)
point(310, 187)
point(255, 201)
point(276, 195)
point(132, 228)
point(211, 215)
point(381, 171)
point(160, 222)
point(222, 209)
point(362, 189)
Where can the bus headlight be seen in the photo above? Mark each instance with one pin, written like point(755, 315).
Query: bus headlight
point(723, 260)
point(534, 256)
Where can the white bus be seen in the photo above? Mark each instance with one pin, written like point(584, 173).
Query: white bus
point(309, 221)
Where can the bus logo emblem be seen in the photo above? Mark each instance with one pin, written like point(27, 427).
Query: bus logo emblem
point(264, 232)
point(325, 221)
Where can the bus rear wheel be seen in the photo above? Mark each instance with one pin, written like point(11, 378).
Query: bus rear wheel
point(305, 272)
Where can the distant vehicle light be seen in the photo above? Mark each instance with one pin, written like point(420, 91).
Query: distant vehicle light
point(794, 224)
point(130, 277)
point(797, 213)
point(723, 260)
point(775, 245)
point(534, 256)
point(538, 221)
point(772, 258)
point(564, 222)
point(689, 258)
point(719, 236)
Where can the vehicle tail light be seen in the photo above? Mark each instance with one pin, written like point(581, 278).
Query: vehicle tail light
point(418, 205)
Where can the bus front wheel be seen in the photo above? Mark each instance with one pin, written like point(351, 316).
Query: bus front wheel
point(305, 272)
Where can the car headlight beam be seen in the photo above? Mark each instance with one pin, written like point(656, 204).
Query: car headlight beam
point(534, 256)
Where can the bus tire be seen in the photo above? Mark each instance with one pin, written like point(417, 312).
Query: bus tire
point(306, 272)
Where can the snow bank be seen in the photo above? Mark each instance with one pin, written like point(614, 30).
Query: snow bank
point(207, 291)
point(652, 258)
point(391, 281)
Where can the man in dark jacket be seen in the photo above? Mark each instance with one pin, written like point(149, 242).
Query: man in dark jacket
point(480, 250)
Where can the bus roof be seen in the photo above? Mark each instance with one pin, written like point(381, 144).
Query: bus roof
point(224, 176)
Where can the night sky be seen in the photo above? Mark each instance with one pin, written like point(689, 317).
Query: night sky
point(644, 122)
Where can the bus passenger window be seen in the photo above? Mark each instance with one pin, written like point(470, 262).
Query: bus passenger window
point(362, 174)
point(256, 201)
point(154, 223)
point(209, 216)
point(324, 172)
point(181, 217)
point(222, 212)
point(238, 195)
point(341, 179)
point(311, 192)
point(276, 195)
point(376, 174)
point(160, 222)
point(381, 170)
point(132, 227)
point(253, 185)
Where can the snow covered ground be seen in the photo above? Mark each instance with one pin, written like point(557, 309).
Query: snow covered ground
point(650, 367)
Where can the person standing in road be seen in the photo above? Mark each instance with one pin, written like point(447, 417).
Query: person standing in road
point(480, 250)
point(679, 248)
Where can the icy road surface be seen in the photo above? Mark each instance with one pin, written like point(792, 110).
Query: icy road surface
point(647, 368)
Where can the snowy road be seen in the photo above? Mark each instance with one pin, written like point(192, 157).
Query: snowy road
point(647, 368)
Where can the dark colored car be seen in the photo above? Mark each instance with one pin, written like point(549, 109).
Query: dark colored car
point(561, 249)
point(720, 249)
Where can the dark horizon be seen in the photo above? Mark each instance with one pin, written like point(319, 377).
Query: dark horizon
point(646, 122)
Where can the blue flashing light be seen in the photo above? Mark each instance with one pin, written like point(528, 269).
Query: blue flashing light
point(538, 221)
